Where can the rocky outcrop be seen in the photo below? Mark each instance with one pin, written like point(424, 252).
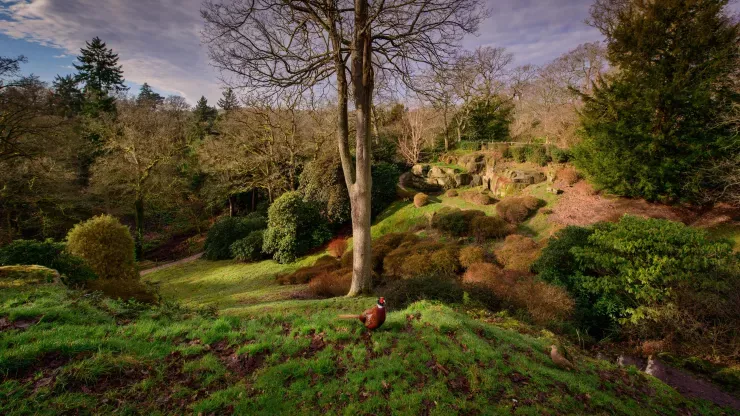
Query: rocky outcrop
point(510, 182)
point(432, 178)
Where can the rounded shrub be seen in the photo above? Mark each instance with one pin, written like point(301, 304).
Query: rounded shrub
point(106, 246)
point(483, 228)
point(451, 193)
point(516, 209)
point(401, 293)
point(228, 230)
point(476, 197)
point(331, 284)
point(249, 248)
point(568, 175)
point(518, 253)
point(420, 199)
point(294, 226)
point(337, 247)
point(471, 254)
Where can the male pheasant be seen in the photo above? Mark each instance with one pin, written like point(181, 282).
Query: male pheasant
point(373, 318)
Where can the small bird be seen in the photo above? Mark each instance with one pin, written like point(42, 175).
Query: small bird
point(559, 359)
point(373, 318)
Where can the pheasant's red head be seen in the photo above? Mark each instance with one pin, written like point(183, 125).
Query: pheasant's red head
point(381, 301)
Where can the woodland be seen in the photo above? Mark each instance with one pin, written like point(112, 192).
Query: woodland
point(552, 239)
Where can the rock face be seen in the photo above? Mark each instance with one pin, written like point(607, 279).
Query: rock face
point(431, 178)
point(512, 181)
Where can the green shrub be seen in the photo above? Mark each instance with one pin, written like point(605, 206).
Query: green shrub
point(653, 279)
point(294, 226)
point(468, 146)
point(106, 246)
point(455, 221)
point(73, 270)
point(422, 258)
point(536, 154)
point(322, 181)
point(518, 153)
point(250, 248)
point(228, 230)
point(401, 293)
point(483, 228)
point(559, 155)
point(385, 181)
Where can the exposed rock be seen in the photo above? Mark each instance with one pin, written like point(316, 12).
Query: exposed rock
point(554, 190)
point(410, 180)
point(476, 180)
point(462, 179)
point(420, 169)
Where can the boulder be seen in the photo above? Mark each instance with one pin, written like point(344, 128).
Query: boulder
point(409, 180)
point(554, 190)
point(476, 180)
point(462, 179)
point(420, 169)
point(437, 172)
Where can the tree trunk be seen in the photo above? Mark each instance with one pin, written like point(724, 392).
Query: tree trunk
point(363, 83)
point(231, 205)
point(447, 133)
point(139, 237)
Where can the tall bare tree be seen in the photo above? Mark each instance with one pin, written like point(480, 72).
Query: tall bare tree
point(274, 44)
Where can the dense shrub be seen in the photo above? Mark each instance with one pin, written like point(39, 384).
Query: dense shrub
point(73, 270)
point(518, 253)
point(385, 181)
point(653, 279)
point(106, 246)
point(423, 258)
point(536, 154)
point(455, 221)
point(322, 182)
point(489, 120)
point(558, 155)
point(468, 146)
point(483, 228)
point(249, 248)
point(337, 247)
point(420, 199)
point(472, 254)
point(476, 197)
point(294, 226)
point(518, 153)
point(325, 264)
point(228, 230)
point(568, 175)
point(331, 284)
point(516, 209)
point(125, 290)
point(451, 193)
point(481, 273)
point(401, 293)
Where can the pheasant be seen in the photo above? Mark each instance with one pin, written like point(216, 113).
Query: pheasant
point(373, 318)
point(559, 359)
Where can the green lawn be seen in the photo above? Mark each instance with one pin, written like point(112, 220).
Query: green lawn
point(76, 354)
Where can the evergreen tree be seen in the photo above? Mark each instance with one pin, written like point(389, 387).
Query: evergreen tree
point(203, 112)
point(147, 96)
point(229, 101)
point(653, 128)
point(69, 98)
point(98, 68)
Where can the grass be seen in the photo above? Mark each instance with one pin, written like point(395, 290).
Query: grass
point(456, 168)
point(90, 355)
point(727, 231)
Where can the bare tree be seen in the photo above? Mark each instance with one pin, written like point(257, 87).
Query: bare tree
point(274, 44)
point(419, 131)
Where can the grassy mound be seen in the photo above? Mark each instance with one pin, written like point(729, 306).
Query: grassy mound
point(83, 354)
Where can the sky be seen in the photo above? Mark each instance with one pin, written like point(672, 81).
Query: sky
point(158, 41)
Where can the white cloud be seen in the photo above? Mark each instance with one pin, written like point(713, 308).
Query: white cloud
point(157, 42)
point(60, 56)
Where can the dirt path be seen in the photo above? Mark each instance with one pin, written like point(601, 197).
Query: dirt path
point(174, 263)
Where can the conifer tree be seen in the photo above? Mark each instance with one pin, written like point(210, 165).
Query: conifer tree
point(652, 129)
point(203, 112)
point(99, 70)
point(68, 97)
point(147, 96)
point(229, 101)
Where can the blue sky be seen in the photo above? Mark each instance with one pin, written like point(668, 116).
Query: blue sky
point(158, 40)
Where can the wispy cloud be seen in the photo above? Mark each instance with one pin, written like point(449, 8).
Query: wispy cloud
point(60, 56)
point(158, 42)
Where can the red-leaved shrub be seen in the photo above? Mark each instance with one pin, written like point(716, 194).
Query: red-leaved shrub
point(337, 247)
point(331, 284)
point(569, 176)
point(518, 253)
point(420, 199)
point(516, 209)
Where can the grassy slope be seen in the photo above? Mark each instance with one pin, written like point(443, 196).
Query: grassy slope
point(92, 356)
point(269, 353)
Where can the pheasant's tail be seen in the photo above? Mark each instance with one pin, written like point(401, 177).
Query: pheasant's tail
point(349, 316)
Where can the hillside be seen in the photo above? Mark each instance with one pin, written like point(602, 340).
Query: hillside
point(65, 352)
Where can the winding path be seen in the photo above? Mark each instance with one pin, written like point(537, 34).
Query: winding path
point(171, 264)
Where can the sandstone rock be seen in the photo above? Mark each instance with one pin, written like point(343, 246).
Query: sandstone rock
point(420, 169)
point(554, 190)
point(409, 180)
point(462, 179)
point(476, 180)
